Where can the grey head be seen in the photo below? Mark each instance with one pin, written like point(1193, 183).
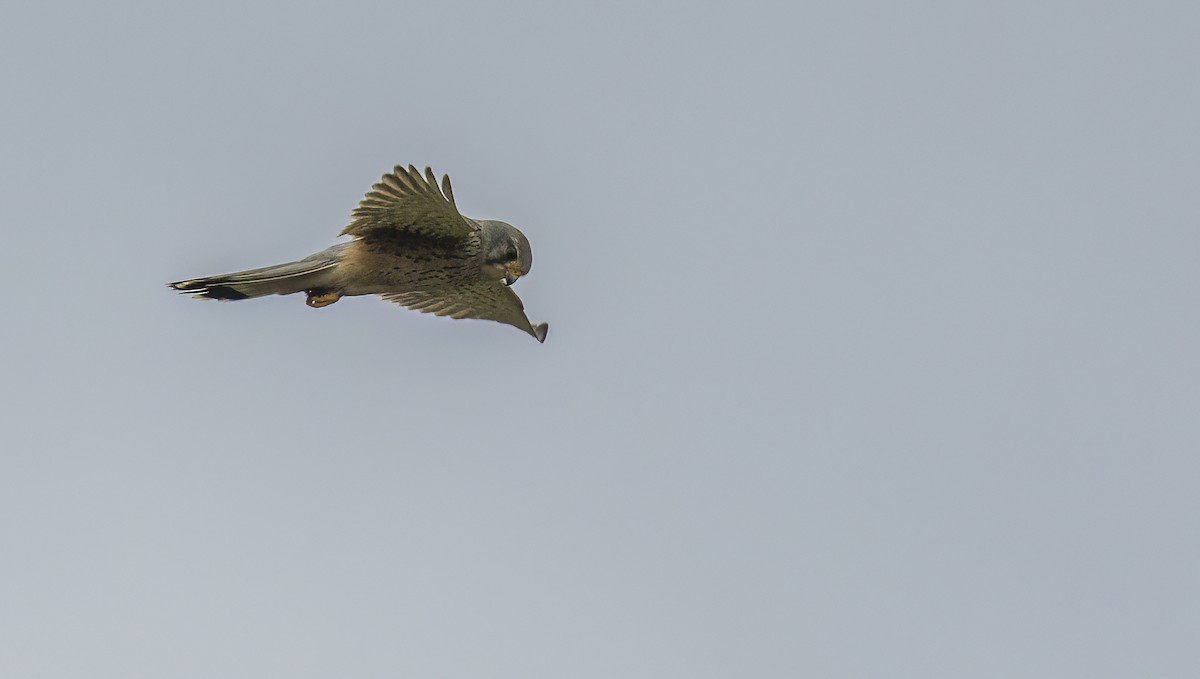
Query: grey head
point(505, 251)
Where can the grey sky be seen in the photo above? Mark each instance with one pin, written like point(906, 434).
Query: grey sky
point(873, 345)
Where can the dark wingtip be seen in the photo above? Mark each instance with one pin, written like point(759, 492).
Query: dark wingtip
point(539, 331)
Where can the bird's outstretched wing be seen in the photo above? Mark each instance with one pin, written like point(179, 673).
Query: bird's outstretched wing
point(487, 300)
point(407, 202)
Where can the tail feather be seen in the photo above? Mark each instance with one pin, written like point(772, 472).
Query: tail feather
point(312, 272)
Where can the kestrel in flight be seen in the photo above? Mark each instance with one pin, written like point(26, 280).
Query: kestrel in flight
point(409, 245)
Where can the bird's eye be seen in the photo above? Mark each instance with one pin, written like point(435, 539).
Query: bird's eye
point(511, 254)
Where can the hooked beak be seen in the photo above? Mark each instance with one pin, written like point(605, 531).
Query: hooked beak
point(509, 278)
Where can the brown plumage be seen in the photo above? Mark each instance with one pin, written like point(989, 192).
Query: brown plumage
point(410, 245)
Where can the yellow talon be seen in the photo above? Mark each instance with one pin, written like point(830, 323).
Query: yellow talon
point(317, 300)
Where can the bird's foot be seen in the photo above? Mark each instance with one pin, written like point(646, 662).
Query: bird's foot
point(320, 298)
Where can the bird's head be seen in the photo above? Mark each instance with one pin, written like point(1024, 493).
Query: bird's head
point(506, 251)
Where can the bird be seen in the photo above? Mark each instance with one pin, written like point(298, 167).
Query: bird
point(410, 245)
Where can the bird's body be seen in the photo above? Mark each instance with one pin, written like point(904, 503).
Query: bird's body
point(409, 245)
point(397, 263)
